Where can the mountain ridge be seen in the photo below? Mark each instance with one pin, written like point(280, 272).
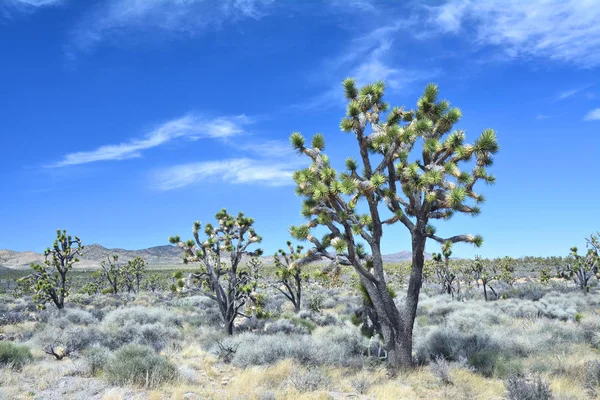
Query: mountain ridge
point(164, 255)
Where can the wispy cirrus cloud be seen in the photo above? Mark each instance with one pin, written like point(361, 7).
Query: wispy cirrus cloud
point(560, 30)
point(368, 58)
point(10, 7)
point(566, 94)
point(189, 126)
point(231, 171)
point(127, 19)
point(593, 115)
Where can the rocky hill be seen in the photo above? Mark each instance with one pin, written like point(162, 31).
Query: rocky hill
point(155, 256)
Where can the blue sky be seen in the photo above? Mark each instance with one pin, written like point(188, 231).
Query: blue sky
point(124, 121)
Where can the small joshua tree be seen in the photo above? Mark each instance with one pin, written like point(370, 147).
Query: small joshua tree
point(49, 282)
point(582, 268)
point(132, 274)
point(290, 275)
point(414, 176)
point(220, 255)
point(445, 273)
point(112, 272)
point(507, 270)
point(484, 271)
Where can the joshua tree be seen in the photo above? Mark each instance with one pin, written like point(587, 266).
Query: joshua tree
point(132, 274)
point(484, 271)
point(507, 270)
point(49, 282)
point(224, 281)
point(112, 272)
point(389, 180)
point(290, 275)
point(582, 268)
point(446, 274)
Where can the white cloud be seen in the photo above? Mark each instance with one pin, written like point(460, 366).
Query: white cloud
point(561, 30)
point(35, 3)
point(189, 126)
point(233, 171)
point(593, 115)
point(367, 58)
point(268, 148)
point(9, 8)
point(126, 18)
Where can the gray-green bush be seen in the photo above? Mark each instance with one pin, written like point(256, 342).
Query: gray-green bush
point(14, 355)
point(139, 365)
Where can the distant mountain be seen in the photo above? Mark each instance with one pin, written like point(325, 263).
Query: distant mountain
point(93, 254)
point(155, 256)
point(404, 255)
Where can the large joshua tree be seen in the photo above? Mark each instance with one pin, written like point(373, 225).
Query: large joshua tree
point(221, 277)
point(409, 172)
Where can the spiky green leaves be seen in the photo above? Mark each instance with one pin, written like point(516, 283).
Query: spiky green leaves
point(297, 141)
point(351, 164)
point(486, 142)
point(430, 94)
point(350, 90)
point(347, 124)
point(456, 197)
point(339, 245)
point(299, 232)
point(318, 142)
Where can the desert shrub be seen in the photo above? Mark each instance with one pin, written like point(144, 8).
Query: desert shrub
point(80, 299)
point(452, 345)
point(315, 302)
point(285, 326)
point(338, 346)
point(518, 388)
point(14, 355)
point(142, 316)
point(308, 379)
point(61, 334)
point(251, 324)
point(362, 383)
point(194, 302)
point(253, 349)
point(319, 319)
point(481, 351)
point(491, 363)
point(13, 317)
point(329, 303)
point(155, 335)
point(95, 359)
point(274, 305)
point(80, 317)
point(441, 370)
point(529, 291)
point(592, 377)
point(591, 331)
point(138, 365)
point(155, 327)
